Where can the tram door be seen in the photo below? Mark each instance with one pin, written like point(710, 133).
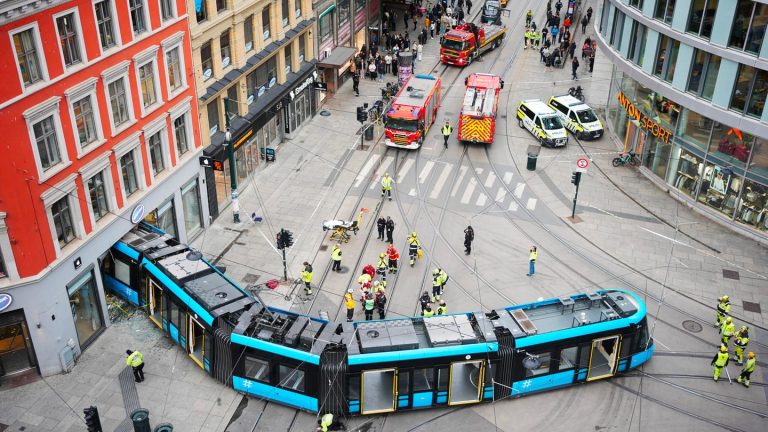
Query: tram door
point(602, 359)
point(379, 391)
point(196, 341)
point(155, 302)
point(466, 384)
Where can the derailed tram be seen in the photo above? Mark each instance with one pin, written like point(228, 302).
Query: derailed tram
point(372, 367)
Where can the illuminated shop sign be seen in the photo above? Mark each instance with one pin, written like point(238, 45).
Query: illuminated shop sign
point(645, 122)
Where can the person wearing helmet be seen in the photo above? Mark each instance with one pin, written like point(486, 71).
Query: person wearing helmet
point(428, 312)
point(436, 285)
point(720, 361)
point(442, 309)
point(740, 344)
point(727, 331)
point(381, 266)
point(386, 186)
point(723, 309)
point(349, 302)
point(394, 257)
point(306, 276)
point(413, 247)
point(747, 370)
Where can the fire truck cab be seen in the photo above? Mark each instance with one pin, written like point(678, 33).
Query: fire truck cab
point(412, 112)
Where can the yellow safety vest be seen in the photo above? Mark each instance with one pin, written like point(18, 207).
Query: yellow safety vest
point(135, 359)
point(336, 254)
point(382, 264)
point(749, 366)
point(306, 276)
point(724, 307)
point(414, 241)
point(441, 310)
point(722, 359)
point(534, 254)
point(447, 129)
point(428, 313)
point(727, 329)
point(326, 421)
point(386, 183)
point(741, 341)
point(349, 301)
point(364, 278)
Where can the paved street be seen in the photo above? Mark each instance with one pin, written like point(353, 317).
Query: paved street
point(629, 234)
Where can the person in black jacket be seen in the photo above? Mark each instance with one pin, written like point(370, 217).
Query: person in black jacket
point(469, 236)
point(390, 226)
point(381, 224)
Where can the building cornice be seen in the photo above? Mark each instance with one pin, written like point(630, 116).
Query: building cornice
point(11, 10)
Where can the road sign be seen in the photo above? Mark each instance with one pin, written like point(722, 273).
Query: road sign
point(582, 163)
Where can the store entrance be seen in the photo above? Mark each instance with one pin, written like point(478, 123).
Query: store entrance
point(16, 352)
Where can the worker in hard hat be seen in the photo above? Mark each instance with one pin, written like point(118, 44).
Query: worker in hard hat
point(727, 331)
point(740, 344)
point(723, 309)
point(747, 370)
point(349, 302)
point(720, 361)
point(438, 282)
point(386, 186)
point(414, 245)
point(381, 266)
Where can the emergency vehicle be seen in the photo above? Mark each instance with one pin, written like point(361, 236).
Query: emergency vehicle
point(412, 112)
point(467, 41)
point(542, 122)
point(477, 122)
point(578, 117)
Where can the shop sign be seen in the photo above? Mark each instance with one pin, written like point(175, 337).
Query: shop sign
point(242, 139)
point(261, 91)
point(5, 301)
point(137, 215)
point(272, 82)
point(207, 73)
point(300, 88)
point(250, 99)
point(643, 120)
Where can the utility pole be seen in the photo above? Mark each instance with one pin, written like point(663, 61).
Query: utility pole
point(232, 170)
point(575, 179)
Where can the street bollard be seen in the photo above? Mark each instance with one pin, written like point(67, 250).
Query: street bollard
point(164, 427)
point(140, 419)
point(533, 155)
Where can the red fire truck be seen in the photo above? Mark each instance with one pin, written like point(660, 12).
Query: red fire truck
point(463, 44)
point(412, 112)
point(477, 122)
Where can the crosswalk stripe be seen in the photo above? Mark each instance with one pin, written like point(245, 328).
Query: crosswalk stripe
point(404, 170)
point(425, 171)
point(481, 200)
point(382, 169)
point(513, 206)
point(412, 192)
point(367, 167)
point(491, 178)
point(469, 191)
point(479, 171)
point(441, 181)
point(519, 190)
point(500, 195)
point(507, 177)
point(462, 173)
point(531, 204)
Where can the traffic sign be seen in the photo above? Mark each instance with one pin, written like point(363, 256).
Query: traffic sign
point(582, 163)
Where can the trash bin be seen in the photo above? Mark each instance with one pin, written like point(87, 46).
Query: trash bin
point(164, 427)
point(369, 133)
point(533, 155)
point(140, 419)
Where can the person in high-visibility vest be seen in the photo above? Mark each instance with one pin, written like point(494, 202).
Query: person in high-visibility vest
point(727, 331)
point(447, 130)
point(364, 278)
point(381, 266)
point(720, 361)
point(306, 276)
point(529, 17)
point(136, 361)
point(325, 422)
point(394, 256)
point(740, 344)
point(532, 261)
point(336, 258)
point(370, 303)
point(413, 247)
point(442, 309)
point(428, 312)
point(386, 186)
point(723, 309)
point(747, 370)
point(349, 302)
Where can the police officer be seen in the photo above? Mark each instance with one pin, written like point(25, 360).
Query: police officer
point(381, 301)
point(413, 247)
point(720, 361)
point(136, 361)
point(381, 224)
point(349, 302)
point(306, 276)
point(381, 266)
point(336, 258)
point(747, 370)
point(442, 309)
point(370, 303)
point(424, 301)
point(532, 261)
point(723, 309)
point(740, 344)
point(390, 226)
point(447, 130)
point(727, 331)
point(386, 185)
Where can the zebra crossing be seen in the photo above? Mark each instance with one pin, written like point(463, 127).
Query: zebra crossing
point(478, 190)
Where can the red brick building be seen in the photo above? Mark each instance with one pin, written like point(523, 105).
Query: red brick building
point(99, 127)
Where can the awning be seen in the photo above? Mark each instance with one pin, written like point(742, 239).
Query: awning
point(338, 57)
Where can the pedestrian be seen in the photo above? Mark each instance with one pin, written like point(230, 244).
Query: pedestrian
point(306, 276)
point(442, 309)
point(393, 257)
point(726, 331)
point(572, 49)
point(447, 129)
point(405, 19)
point(544, 33)
point(436, 285)
point(544, 54)
point(584, 22)
point(740, 344)
point(419, 49)
point(558, 6)
point(390, 226)
point(381, 266)
point(394, 64)
point(424, 301)
point(525, 38)
point(349, 302)
point(388, 62)
point(380, 68)
point(381, 224)
point(356, 84)
point(136, 361)
point(555, 31)
point(591, 61)
point(370, 270)
point(432, 30)
point(386, 186)
point(747, 370)
point(370, 303)
point(427, 22)
point(414, 245)
point(469, 236)
point(336, 257)
point(719, 361)
point(589, 13)
point(364, 278)
point(723, 309)
point(469, 6)
point(372, 70)
point(567, 23)
point(574, 67)
point(428, 312)
point(528, 18)
point(381, 302)
point(532, 261)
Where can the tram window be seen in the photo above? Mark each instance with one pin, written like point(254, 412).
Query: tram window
point(122, 271)
point(568, 358)
point(403, 379)
point(546, 359)
point(643, 336)
point(174, 313)
point(627, 342)
point(354, 387)
point(292, 378)
point(490, 374)
point(257, 369)
point(423, 380)
point(442, 379)
point(586, 349)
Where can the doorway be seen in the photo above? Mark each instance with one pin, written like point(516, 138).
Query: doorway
point(379, 391)
point(196, 346)
point(602, 358)
point(155, 303)
point(16, 352)
point(466, 382)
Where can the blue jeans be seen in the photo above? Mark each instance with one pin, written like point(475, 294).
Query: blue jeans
point(531, 267)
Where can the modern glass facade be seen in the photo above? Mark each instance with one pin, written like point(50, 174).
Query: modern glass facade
point(687, 94)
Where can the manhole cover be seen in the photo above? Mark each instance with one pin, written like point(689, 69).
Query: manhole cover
point(325, 113)
point(372, 334)
point(752, 307)
point(730, 274)
point(250, 278)
point(692, 326)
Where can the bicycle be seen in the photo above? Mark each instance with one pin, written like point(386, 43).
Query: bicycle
point(626, 159)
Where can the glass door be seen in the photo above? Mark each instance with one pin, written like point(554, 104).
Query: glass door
point(155, 303)
point(466, 383)
point(379, 391)
point(15, 349)
point(602, 359)
point(196, 345)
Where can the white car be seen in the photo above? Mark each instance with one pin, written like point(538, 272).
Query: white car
point(542, 122)
point(578, 117)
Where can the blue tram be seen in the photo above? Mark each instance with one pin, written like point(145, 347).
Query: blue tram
point(373, 367)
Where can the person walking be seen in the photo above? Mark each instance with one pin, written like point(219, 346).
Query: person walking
point(558, 6)
point(388, 62)
point(393, 256)
point(336, 258)
point(136, 361)
point(372, 70)
point(381, 301)
point(589, 13)
point(528, 18)
point(572, 49)
point(447, 130)
point(413, 247)
point(381, 267)
point(591, 61)
point(740, 344)
point(306, 276)
point(719, 361)
point(381, 225)
point(390, 226)
point(370, 303)
point(469, 237)
point(554, 33)
point(723, 309)
point(727, 331)
point(405, 20)
point(747, 370)
point(424, 301)
point(574, 67)
point(532, 261)
point(442, 309)
point(584, 22)
point(386, 186)
point(356, 84)
point(349, 302)
point(469, 6)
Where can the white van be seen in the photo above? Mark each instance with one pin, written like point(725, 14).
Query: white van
point(578, 117)
point(542, 122)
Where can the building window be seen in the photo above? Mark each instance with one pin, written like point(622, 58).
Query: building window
point(637, 43)
point(285, 12)
point(136, 8)
point(750, 91)
point(666, 58)
point(288, 59)
point(47, 143)
point(201, 14)
point(105, 23)
point(343, 8)
point(118, 101)
point(618, 29)
point(147, 81)
point(749, 25)
point(265, 23)
point(302, 47)
point(166, 9)
point(84, 302)
point(638, 4)
point(221, 5)
point(190, 201)
point(224, 47)
point(703, 74)
point(164, 217)
point(326, 26)
point(156, 153)
point(702, 17)
point(248, 33)
point(68, 39)
point(180, 134)
point(98, 196)
point(128, 171)
point(231, 104)
point(297, 5)
point(604, 17)
point(62, 220)
point(213, 117)
point(173, 64)
point(3, 271)
point(26, 56)
point(664, 10)
point(206, 59)
point(85, 122)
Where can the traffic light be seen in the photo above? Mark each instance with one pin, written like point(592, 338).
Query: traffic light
point(287, 238)
point(92, 421)
point(362, 115)
point(280, 244)
point(576, 177)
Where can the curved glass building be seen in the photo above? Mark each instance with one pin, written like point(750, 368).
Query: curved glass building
point(688, 94)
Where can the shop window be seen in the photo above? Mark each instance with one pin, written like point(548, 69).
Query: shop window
point(326, 26)
point(213, 117)
point(688, 170)
point(750, 91)
point(748, 28)
point(758, 164)
point(343, 7)
point(288, 59)
point(248, 33)
point(201, 14)
point(694, 128)
point(286, 12)
point(256, 369)
point(84, 303)
point(657, 154)
point(664, 10)
point(292, 378)
point(164, 218)
point(752, 209)
point(543, 359)
point(265, 23)
point(206, 60)
point(302, 47)
point(703, 74)
point(568, 358)
point(190, 200)
point(730, 145)
point(226, 60)
point(720, 188)
point(702, 17)
point(423, 380)
point(663, 110)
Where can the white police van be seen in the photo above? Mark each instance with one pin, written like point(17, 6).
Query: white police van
point(542, 122)
point(578, 117)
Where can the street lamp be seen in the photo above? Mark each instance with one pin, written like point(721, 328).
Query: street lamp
point(232, 171)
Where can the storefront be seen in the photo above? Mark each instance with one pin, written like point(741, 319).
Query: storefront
point(17, 355)
point(718, 168)
point(84, 303)
point(301, 105)
point(335, 66)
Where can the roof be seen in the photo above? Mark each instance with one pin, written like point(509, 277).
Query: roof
point(571, 102)
point(338, 57)
point(538, 107)
point(416, 90)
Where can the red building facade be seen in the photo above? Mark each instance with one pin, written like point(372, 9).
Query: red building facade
point(100, 125)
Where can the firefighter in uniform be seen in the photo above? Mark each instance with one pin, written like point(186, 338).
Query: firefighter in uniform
point(393, 256)
point(381, 266)
point(747, 370)
point(727, 331)
point(740, 344)
point(349, 302)
point(306, 276)
point(720, 361)
point(386, 186)
point(442, 309)
point(336, 258)
point(723, 309)
point(413, 247)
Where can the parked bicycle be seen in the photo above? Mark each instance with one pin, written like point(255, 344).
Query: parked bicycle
point(577, 92)
point(626, 159)
point(389, 92)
